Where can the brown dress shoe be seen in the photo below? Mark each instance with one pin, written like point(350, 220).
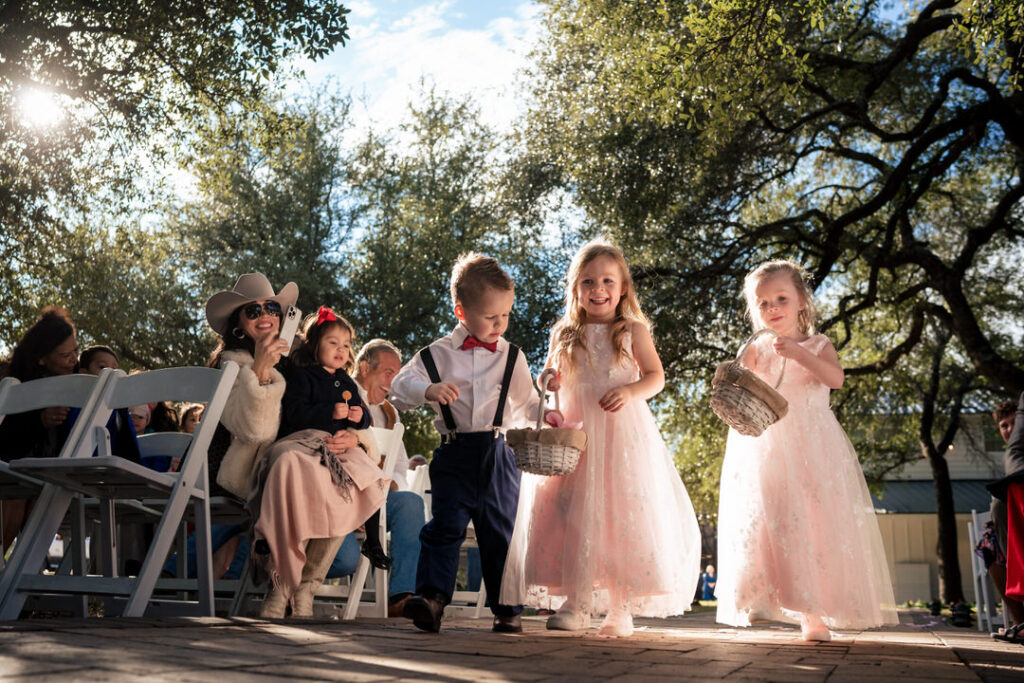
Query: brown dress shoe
point(507, 624)
point(397, 609)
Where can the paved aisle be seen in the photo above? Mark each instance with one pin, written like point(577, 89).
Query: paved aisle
point(694, 647)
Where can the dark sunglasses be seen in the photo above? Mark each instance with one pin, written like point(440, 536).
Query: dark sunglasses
point(255, 310)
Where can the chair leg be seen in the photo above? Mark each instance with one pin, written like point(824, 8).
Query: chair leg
point(163, 538)
point(30, 551)
point(380, 580)
point(355, 589)
point(78, 559)
point(204, 557)
point(481, 600)
point(241, 596)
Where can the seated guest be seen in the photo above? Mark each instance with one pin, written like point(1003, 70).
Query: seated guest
point(163, 418)
point(122, 437)
point(95, 358)
point(1005, 416)
point(49, 348)
point(190, 417)
point(376, 365)
point(140, 418)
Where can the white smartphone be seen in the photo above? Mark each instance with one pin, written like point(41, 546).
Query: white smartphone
point(290, 325)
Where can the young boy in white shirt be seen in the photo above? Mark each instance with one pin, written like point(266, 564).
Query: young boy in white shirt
point(479, 385)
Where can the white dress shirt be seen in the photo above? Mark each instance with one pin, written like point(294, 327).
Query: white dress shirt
point(379, 420)
point(477, 373)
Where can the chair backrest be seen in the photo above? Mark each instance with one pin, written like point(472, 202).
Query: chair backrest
point(70, 391)
point(389, 443)
point(197, 385)
point(171, 444)
point(420, 485)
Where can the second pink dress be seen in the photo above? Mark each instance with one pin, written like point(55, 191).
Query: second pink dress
point(796, 527)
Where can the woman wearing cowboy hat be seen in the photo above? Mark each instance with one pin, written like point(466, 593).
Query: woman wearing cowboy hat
point(248, 318)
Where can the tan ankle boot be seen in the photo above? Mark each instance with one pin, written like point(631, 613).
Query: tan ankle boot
point(320, 553)
point(273, 605)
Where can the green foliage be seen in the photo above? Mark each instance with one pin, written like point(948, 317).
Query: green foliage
point(130, 82)
point(885, 157)
point(271, 198)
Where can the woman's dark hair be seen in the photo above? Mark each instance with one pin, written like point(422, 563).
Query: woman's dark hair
point(306, 354)
point(163, 418)
point(230, 342)
point(86, 356)
point(53, 328)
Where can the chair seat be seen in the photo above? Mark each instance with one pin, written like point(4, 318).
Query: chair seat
point(15, 485)
point(106, 477)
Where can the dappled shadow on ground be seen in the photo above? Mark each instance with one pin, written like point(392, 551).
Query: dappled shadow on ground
point(691, 647)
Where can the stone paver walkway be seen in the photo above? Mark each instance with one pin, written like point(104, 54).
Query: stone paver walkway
point(691, 647)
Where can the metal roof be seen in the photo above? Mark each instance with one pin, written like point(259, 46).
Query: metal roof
point(919, 497)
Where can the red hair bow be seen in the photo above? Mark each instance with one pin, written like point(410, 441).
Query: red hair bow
point(325, 315)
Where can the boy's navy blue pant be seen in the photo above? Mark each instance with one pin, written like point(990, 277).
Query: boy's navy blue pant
point(473, 477)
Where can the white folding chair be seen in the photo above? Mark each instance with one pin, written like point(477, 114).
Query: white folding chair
point(70, 391)
point(389, 442)
point(108, 477)
point(420, 485)
point(987, 617)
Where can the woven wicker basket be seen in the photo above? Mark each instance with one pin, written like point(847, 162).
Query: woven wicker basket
point(550, 451)
point(744, 401)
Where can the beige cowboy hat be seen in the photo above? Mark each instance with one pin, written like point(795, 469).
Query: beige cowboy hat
point(250, 287)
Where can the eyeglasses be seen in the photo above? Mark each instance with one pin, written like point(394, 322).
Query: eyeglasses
point(255, 309)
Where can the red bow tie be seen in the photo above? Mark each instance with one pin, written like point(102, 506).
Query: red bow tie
point(472, 342)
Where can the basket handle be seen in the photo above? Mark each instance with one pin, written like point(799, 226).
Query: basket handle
point(542, 382)
point(758, 333)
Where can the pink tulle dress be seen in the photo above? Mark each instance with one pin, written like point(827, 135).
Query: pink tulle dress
point(796, 527)
point(619, 531)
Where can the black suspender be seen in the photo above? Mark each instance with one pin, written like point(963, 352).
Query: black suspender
point(506, 380)
point(428, 363)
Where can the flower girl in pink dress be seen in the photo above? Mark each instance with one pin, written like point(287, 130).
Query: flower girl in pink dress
point(797, 535)
point(617, 536)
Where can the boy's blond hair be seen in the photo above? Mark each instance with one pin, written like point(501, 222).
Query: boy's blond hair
point(473, 273)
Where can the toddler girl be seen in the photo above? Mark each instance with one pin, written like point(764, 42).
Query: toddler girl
point(316, 483)
point(321, 395)
point(618, 535)
point(797, 535)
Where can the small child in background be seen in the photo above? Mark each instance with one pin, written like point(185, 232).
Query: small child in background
point(618, 535)
point(797, 534)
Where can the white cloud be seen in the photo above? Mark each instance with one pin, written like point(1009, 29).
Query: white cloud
point(388, 56)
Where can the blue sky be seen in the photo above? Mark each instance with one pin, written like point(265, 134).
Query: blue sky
point(463, 46)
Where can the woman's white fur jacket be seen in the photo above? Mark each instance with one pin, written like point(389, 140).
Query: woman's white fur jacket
point(252, 415)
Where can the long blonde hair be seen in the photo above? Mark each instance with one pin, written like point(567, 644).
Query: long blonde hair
point(800, 278)
point(568, 336)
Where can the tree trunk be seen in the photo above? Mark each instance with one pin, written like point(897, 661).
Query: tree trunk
point(950, 587)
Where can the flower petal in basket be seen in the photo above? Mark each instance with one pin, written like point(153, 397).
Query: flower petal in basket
point(557, 436)
point(733, 373)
